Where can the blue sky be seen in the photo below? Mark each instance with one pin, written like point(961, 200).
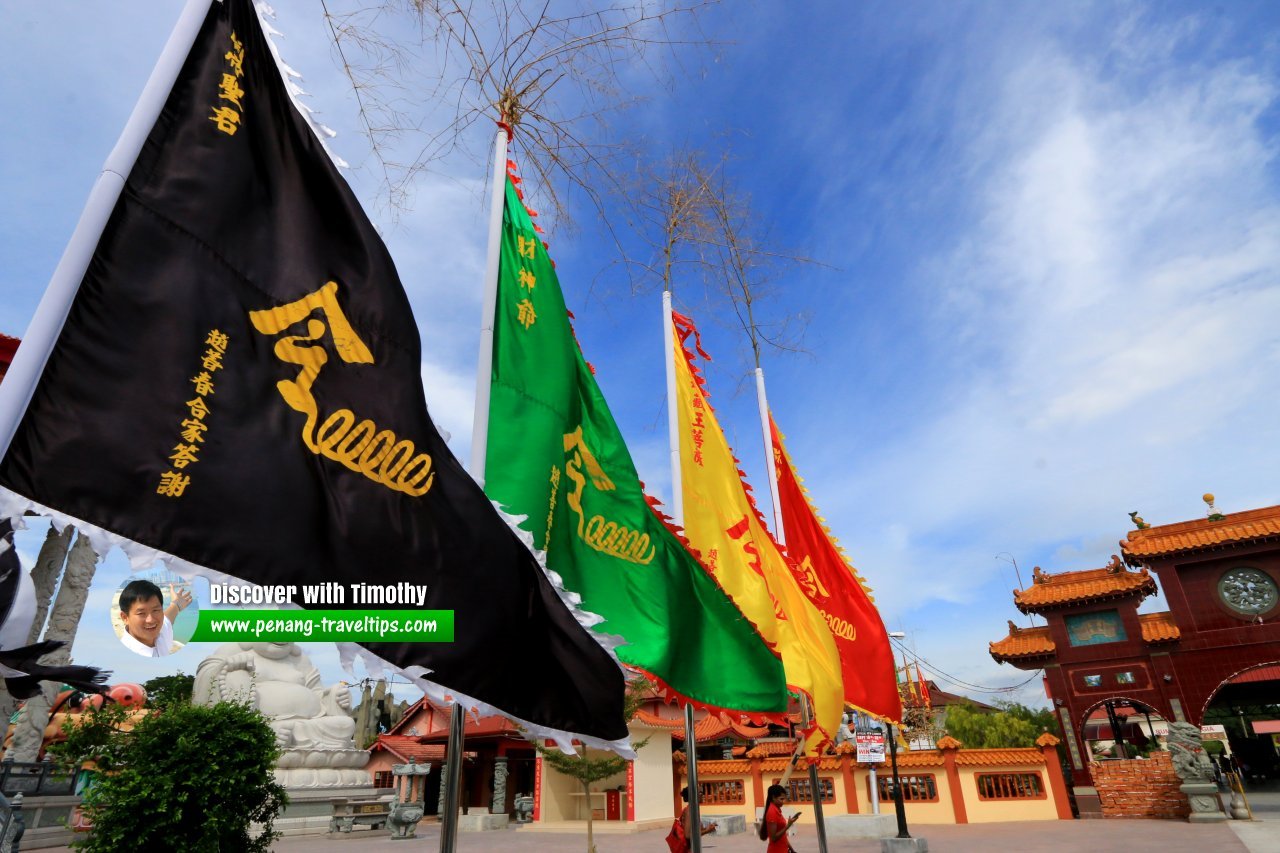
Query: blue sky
point(1051, 234)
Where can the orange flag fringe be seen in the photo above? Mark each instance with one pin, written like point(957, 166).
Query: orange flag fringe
point(722, 522)
point(830, 582)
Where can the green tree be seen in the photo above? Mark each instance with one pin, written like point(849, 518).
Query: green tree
point(165, 691)
point(979, 730)
point(193, 779)
point(588, 770)
point(1043, 719)
point(94, 737)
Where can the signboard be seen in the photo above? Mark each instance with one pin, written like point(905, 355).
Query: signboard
point(870, 747)
point(631, 790)
point(537, 789)
point(1213, 733)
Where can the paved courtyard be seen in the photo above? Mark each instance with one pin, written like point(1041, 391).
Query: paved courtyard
point(1094, 836)
point(1086, 836)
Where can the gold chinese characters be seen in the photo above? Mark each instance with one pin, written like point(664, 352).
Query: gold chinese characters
point(227, 110)
point(173, 484)
point(357, 444)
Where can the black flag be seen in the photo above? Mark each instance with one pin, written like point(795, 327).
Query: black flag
point(238, 384)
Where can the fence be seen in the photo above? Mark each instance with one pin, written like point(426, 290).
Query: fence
point(39, 778)
point(949, 784)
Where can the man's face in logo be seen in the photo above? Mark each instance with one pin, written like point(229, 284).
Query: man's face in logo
point(144, 619)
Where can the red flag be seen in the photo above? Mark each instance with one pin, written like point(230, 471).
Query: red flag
point(830, 582)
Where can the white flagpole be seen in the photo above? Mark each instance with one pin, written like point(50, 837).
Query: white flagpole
point(780, 534)
point(484, 374)
point(673, 418)
point(42, 333)
point(677, 514)
point(479, 446)
point(763, 402)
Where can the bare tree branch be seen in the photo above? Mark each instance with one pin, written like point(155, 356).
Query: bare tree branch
point(551, 74)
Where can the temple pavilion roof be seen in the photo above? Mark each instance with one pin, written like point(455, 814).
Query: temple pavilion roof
point(1202, 534)
point(1026, 644)
point(405, 747)
point(710, 728)
point(1064, 589)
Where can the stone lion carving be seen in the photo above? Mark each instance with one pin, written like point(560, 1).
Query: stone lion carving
point(1190, 761)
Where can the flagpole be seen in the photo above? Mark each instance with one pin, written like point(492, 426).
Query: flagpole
point(452, 778)
point(484, 374)
point(42, 333)
point(677, 514)
point(673, 418)
point(806, 713)
point(479, 448)
point(763, 402)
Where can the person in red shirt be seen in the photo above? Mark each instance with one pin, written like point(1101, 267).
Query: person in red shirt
point(775, 825)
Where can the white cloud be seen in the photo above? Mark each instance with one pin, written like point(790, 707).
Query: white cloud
point(1111, 319)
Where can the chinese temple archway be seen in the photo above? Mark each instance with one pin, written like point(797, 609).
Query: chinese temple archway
point(1221, 578)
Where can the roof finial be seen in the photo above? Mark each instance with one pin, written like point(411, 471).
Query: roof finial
point(1137, 520)
point(1214, 515)
point(1038, 575)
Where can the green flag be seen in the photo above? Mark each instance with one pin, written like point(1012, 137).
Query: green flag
point(556, 456)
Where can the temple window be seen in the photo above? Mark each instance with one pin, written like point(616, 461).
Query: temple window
point(915, 789)
point(1010, 786)
point(800, 791)
point(725, 793)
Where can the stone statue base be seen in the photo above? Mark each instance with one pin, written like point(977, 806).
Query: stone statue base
point(323, 768)
point(1205, 805)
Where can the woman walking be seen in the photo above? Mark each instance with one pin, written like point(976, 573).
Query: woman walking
point(774, 826)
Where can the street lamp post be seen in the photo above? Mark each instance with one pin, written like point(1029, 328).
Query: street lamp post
point(898, 805)
point(897, 787)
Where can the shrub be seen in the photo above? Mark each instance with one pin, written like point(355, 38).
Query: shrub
point(191, 778)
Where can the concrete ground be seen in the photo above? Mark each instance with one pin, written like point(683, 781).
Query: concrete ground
point(1085, 836)
point(1089, 836)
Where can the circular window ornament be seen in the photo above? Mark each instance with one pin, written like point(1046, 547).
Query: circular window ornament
point(1248, 591)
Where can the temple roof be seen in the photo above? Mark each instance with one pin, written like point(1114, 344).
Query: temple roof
point(1067, 588)
point(405, 747)
point(1159, 627)
point(711, 727)
point(1023, 644)
point(1256, 525)
point(1030, 643)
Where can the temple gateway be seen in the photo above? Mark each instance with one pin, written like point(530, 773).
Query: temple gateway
point(1118, 678)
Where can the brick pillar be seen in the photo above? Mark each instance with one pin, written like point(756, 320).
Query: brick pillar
point(846, 771)
point(756, 757)
point(679, 778)
point(1053, 768)
point(948, 745)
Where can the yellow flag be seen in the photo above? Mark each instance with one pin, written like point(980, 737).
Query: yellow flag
point(722, 523)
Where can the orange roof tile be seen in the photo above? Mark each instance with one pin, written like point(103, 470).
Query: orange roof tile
point(920, 758)
point(1023, 643)
point(1158, 627)
point(1066, 588)
point(1030, 643)
point(710, 727)
point(775, 747)
point(407, 746)
point(990, 757)
point(1202, 534)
